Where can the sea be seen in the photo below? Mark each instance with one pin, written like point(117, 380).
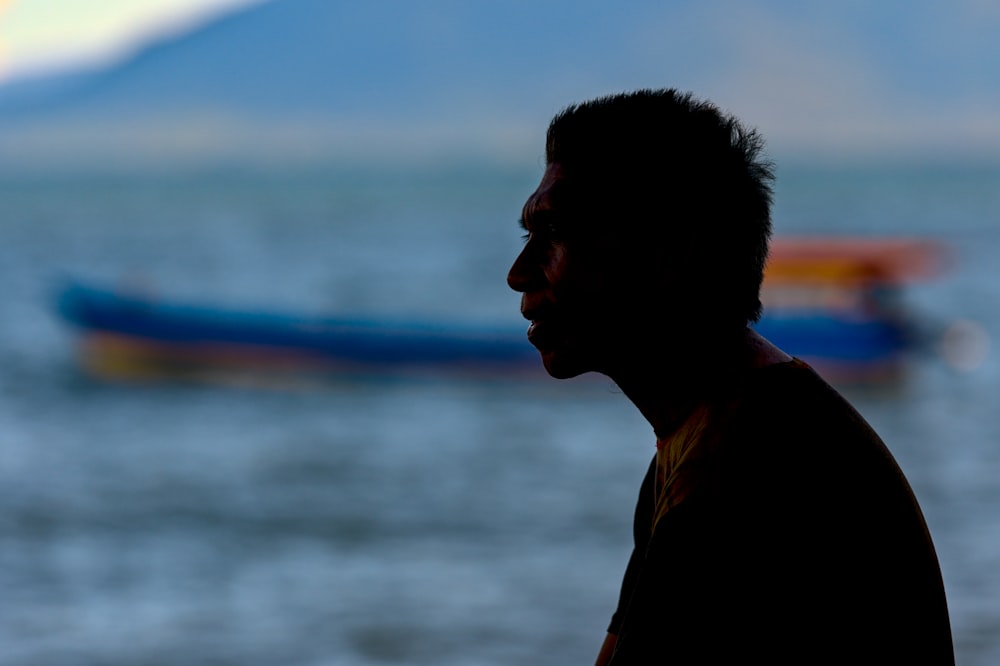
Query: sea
point(411, 519)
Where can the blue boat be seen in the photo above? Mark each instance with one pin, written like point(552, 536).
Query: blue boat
point(131, 335)
point(832, 304)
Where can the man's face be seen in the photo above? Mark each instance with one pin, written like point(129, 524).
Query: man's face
point(575, 288)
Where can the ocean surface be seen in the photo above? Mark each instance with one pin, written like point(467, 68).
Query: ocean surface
point(398, 520)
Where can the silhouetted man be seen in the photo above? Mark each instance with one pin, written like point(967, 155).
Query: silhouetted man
point(773, 525)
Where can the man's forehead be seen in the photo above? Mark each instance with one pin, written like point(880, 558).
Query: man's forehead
point(554, 191)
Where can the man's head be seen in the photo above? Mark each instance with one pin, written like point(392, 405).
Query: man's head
point(655, 207)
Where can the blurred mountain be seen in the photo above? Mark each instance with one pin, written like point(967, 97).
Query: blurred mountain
point(285, 56)
point(300, 76)
point(292, 81)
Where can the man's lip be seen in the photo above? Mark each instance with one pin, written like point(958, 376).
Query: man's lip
point(537, 313)
point(544, 323)
point(540, 332)
point(533, 332)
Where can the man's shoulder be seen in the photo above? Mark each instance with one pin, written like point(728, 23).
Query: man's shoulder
point(788, 410)
point(793, 392)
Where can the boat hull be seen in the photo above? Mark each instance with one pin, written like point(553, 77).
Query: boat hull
point(132, 335)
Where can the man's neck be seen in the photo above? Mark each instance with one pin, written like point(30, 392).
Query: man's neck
point(666, 389)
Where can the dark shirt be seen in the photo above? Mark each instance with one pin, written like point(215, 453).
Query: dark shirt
point(775, 527)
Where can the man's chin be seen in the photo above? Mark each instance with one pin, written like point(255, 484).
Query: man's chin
point(562, 365)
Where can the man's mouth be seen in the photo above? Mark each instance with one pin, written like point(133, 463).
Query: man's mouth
point(543, 329)
point(541, 333)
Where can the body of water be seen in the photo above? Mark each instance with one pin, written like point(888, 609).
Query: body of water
point(391, 520)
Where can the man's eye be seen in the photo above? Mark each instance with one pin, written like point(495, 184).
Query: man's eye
point(547, 230)
point(548, 227)
point(553, 231)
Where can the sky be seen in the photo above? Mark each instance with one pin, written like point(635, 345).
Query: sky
point(817, 77)
point(888, 74)
point(45, 35)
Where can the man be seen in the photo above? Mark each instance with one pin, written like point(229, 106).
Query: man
point(773, 526)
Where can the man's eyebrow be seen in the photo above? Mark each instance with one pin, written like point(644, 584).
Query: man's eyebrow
point(542, 216)
point(534, 216)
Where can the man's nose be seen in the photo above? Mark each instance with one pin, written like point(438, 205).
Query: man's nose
point(522, 275)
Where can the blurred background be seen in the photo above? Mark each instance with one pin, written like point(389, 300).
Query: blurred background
point(320, 157)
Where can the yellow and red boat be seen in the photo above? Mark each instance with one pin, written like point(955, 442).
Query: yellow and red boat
point(837, 302)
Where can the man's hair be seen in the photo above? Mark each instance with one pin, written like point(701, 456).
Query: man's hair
point(673, 173)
